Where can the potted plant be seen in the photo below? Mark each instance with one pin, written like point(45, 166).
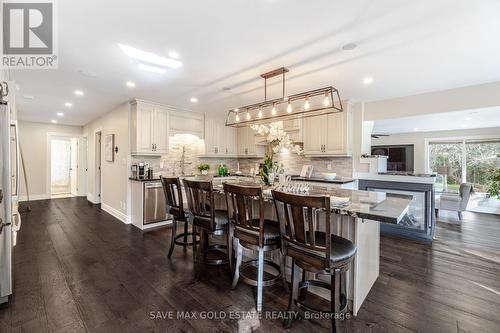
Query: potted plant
point(203, 168)
point(494, 182)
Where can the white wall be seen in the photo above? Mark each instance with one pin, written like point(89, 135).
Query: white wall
point(114, 175)
point(33, 140)
point(418, 140)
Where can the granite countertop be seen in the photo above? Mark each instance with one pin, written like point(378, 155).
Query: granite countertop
point(371, 205)
point(340, 180)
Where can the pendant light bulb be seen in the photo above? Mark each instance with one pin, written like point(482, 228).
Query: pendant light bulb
point(248, 115)
point(260, 113)
point(237, 118)
point(289, 108)
point(273, 111)
point(307, 106)
point(326, 100)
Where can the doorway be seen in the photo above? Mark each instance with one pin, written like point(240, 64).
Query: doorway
point(63, 166)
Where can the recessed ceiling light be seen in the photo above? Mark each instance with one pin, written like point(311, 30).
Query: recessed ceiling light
point(173, 54)
point(60, 114)
point(78, 92)
point(130, 84)
point(149, 57)
point(468, 118)
point(53, 121)
point(68, 104)
point(194, 99)
point(28, 96)
point(368, 80)
point(464, 125)
point(415, 129)
point(349, 46)
point(152, 69)
point(18, 87)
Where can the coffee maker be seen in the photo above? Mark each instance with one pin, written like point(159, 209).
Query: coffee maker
point(134, 171)
point(141, 171)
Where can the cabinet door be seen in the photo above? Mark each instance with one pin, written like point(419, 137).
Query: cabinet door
point(160, 131)
point(144, 128)
point(230, 140)
point(314, 133)
point(336, 136)
point(210, 137)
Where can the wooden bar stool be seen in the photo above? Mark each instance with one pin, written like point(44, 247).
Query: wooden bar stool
point(313, 250)
point(257, 234)
point(208, 221)
point(175, 207)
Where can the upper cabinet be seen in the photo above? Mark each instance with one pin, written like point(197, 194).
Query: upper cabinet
point(246, 142)
point(328, 135)
point(220, 140)
point(149, 129)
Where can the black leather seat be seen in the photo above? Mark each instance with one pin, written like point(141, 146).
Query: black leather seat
point(341, 248)
point(271, 231)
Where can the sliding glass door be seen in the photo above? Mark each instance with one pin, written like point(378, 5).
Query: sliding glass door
point(481, 157)
point(463, 160)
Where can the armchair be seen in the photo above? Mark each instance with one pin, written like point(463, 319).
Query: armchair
point(455, 201)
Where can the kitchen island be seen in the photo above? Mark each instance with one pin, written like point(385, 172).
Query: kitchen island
point(357, 216)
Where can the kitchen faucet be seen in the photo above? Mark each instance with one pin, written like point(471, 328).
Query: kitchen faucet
point(182, 161)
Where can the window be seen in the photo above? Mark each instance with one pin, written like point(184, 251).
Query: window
point(463, 160)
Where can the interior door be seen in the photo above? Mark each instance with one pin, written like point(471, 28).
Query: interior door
point(335, 133)
point(314, 132)
point(74, 166)
point(60, 165)
point(160, 131)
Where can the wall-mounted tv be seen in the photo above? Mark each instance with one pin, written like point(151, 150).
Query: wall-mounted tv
point(400, 156)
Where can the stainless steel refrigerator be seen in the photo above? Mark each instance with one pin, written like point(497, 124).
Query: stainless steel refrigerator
point(9, 188)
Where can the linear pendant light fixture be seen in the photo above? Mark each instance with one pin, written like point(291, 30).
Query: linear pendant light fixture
point(303, 105)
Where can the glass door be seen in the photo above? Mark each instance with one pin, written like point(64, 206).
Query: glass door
point(446, 160)
point(481, 157)
point(60, 166)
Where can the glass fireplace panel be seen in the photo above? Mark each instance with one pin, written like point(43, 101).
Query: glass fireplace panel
point(415, 217)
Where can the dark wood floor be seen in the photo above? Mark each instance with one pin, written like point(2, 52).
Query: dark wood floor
point(77, 269)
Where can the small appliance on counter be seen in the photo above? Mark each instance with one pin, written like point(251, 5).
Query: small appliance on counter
point(142, 171)
point(134, 171)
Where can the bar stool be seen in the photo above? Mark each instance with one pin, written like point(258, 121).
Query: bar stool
point(175, 207)
point(313, 251)
point(207, 220)
point(257, 234)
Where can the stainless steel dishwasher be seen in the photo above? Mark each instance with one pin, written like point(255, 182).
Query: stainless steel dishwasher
point(154, 203)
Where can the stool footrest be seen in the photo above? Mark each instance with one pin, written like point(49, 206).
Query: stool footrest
point(188, 243)
point(267, 281)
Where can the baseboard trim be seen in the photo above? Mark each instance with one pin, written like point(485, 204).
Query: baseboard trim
point(34, 197)
point(116, 213)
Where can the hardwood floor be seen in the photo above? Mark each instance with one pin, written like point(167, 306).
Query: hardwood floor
point(77, 269)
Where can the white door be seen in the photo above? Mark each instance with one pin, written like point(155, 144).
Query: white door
point(314, 128)
point(74, 166)
point(144, 126)
point(82, 166)
point(160, 131)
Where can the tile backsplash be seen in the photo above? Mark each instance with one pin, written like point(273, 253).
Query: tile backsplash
point(169, 164)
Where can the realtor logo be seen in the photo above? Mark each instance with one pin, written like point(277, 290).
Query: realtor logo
point(28, 35)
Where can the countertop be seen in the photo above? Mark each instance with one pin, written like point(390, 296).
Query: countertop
point(340, 180)
point(144, 180)
point(371, 205)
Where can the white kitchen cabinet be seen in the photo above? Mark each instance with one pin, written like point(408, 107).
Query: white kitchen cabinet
point(328, 135)
point(246, 143)
point(220, 140)
point(149, 129)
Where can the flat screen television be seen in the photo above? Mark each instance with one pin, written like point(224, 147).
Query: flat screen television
point(400, 156)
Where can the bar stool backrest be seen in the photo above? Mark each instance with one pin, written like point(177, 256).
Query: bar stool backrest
point(299, 216)
point(240, 199)
point(200, 198)
point(173, 196)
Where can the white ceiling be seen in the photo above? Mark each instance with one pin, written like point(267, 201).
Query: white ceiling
point(407, 46)
point(456, 120)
